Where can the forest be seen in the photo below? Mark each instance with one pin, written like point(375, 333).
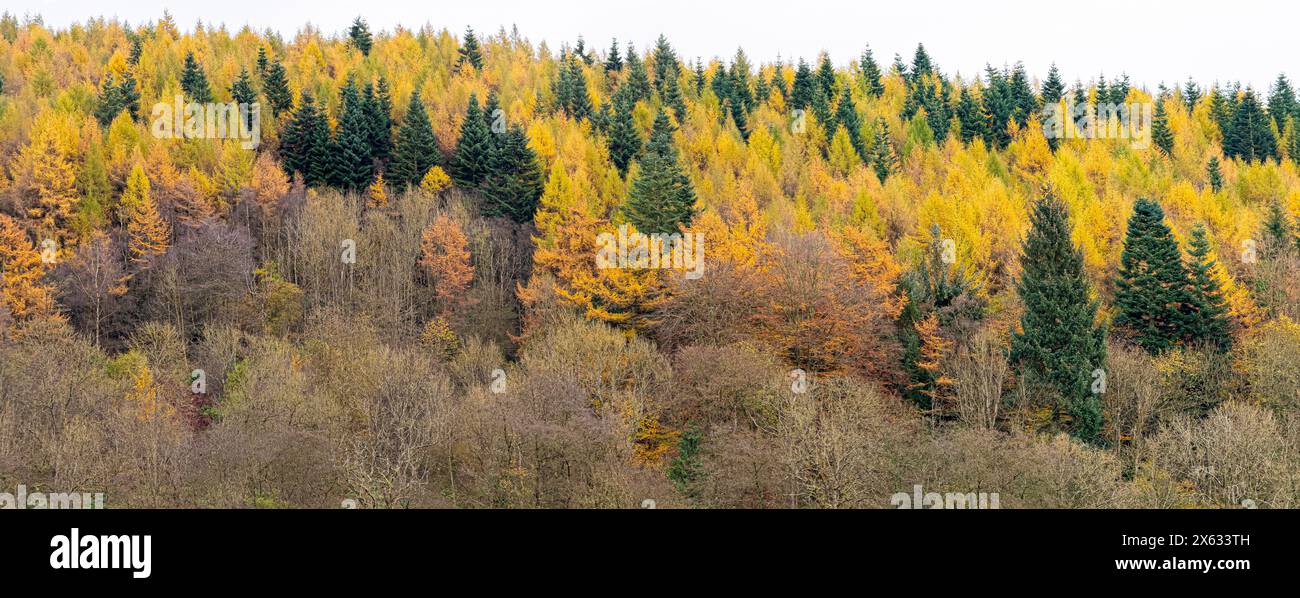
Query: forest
point(398, 292)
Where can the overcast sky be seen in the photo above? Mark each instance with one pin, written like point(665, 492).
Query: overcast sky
point(1153, 40)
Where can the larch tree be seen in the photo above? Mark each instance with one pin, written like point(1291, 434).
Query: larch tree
point(148, 235)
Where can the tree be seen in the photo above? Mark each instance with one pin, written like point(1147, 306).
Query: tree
point(871, 74)
point(376, 194)
point(666, 65)
point(1059, 343)
point(1215, 174)
point(352, 166)
point(21, 269)
point(1191, 94)
point(623, 139)
point(1250, 135)
point(446, 261)
point(846, 115)
point(194, 82)
point(1152, 289)
point(612, 61)
point(1282, 104)
point(359, 36)
point(1208, 317)
point(378, 108)
point(883, 159)
point(970, 115)
point(571, 90)
point(416, 150)
point(512, 183)
point(638, 82)
point(1277, 236)
point(1160, 132)
point(109, 103)
point(242, 92)
point(92, 281)
point(148, 236)
point(661, 199)
point(801, 91)
point(304, 143)
point(469, 163)
point(469, 51)
point(277, 89)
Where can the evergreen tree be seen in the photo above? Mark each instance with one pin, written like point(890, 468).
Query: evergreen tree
point(721, 84)
point(666, 66)
point(1160, 132)
point(1221, 110)
point(1215, 174)
point(1191, 95)
point(581, 50)
point(1119, 91)
point(638, 82)
point(1291, 139)
point(1277, 236)
point(1282, 104)
point(352, 166)
point(303, 145)
point(672, 97)
point(1152, 289)
point(1208, 313)
point(194, 83)
point(469, 51)
point(109, 103)
point(1053, 89)
point(921, 65)
point(571, 90)
point(883, 157)
point(624, 141)
point(359, 36)
point(416, 149)
point(846, 115)
point(262, 62)
point(699, 77)
point(826, 77)
point(687, 468)
point(998, 108)
point(778, 81)
point(613, 62)
point(379, 113)
point(971, 117)
point(661, 199)
point(871, 74)
point(1249, 135)
point(513, 182)
point(242, 92)
point(1059, 343)
point(129, 94)
point(277, 88)
point(469, 162)
point(801, 93)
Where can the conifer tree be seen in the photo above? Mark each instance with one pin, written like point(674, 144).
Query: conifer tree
point(612, 61)
point(1277, 236)
point(469, 51)
point(277, 89)
point(571, 91)
point(846, 115)
point(666, 66)
point(921, 65)
point(379, 111)
point(109, 103)
point(130, 95)
point(469, 162)
point(1249, 135)
point(262, 62)
point(1059, 343)
point(672, 97)
point(1215, 174)
point(303, 144)
point(359, 36)
point(801, 92)
point(1191, 94)
point(148, 236)
point(242, 92)
point(883, 157)
point(871, 74)
point(1208, 313)
point(661, 199)
point(624, 141)
point(699, 78)
point(352, 166)
point(970, 115)
point(1282, 104)
point(416, 149)
point(826, 77)
point(1152, 289)
point(194, 82)
point(513, 181)
point(1160, 132)
point(638, 82)
point(22, 294)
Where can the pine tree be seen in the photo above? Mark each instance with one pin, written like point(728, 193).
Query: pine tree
point(921, 65)
point(379, 113)
point(1208, 318)
point(148, 236)
point(1160, 132)
point(883, 157)
point(871, 74)
point(661, 199)
point(571, 90)
point(1249, 136)
point(262, 62)
point(580, 49)
point(970, 115)
point(1282, 104)
point(826, 76)
point(513, 182)
point(194, 83)
point(624, 141)
point(612, 61)
point(130, 95)
point(1053, 89)
point(352, 166)
point(1152, 289)
point(243, 94)
point(638, 82)
point(666, 66)
point(277, 89)
point(1059, 343)
point(469, 162)
point(1214, 173)
point(416, 149)
point(359, 36)
point(469, 51)
point(304, 143)
point(801, 92)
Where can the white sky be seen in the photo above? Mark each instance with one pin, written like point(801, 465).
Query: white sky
point(1153, 40)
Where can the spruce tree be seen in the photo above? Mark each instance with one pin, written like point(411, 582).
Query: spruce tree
point(109, 103)
point(661, 199)
point(301, 140)
point(580, 49)
point(721, 84)
point(1152, 289)
point(1277, 236)
point(612, 61)
point(826, 77)
point(801, 93)
point(469, 162)
point(883, 158)
point(666, 66)
point(352, 166)
point(1215, 174)
point(1191, 95)
point(1208, 313)
point(698, 79)
point(1059, 343)
point(871, 74)
point(469, 51)
point(638, 82)
point(1160, 132)
point(672, 97)
point(194, 83)
point(129, 93)
point(513, 183)
point(1282, 104)
point(416, 149)
point(1249, 135)
point(243, 94)
point(277, 88)
point(846, 115)
point(571, 90)
point(262, 62)
point(379, 113)
point(359, 36)
point(1053, 89)
point(921, 65)
point(970, 115)
point(624, 141)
